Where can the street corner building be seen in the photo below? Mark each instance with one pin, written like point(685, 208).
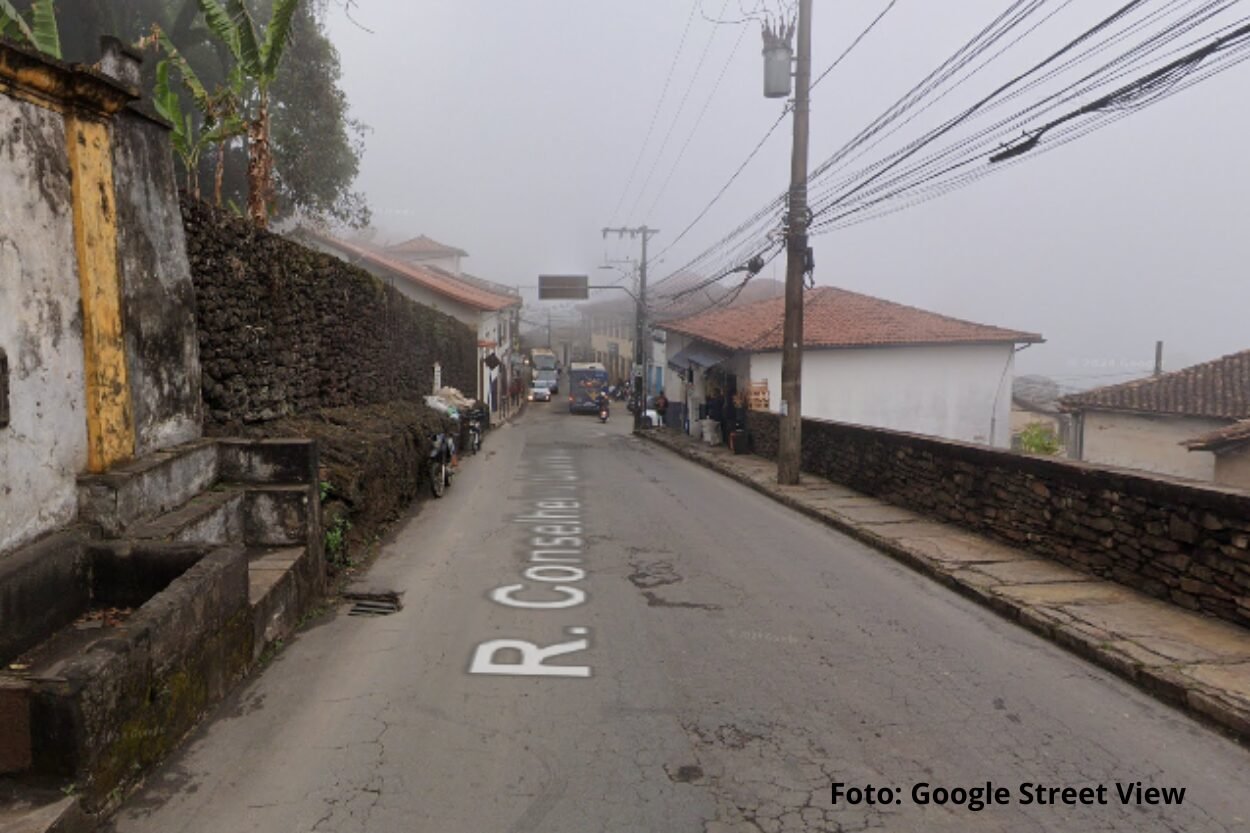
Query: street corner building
point(866, 361)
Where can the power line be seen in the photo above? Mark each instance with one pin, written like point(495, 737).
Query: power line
point(905, 177)
point(974, 148)
point(699, 120)
point(778, 202)
point(697, 4)
point(767, 135)
point(681, 105)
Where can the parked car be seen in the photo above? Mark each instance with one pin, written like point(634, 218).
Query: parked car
point(540, 392)
point(550, 378)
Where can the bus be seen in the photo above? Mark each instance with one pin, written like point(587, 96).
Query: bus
point(586, 380)
point(543, 358)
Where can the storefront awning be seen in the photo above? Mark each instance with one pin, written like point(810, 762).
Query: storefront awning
point(702, 355)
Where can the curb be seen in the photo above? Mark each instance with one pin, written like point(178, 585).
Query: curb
point(1207, 704)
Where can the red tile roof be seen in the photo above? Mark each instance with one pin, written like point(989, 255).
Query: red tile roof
point(422, 246)
point(1218, 389)
point(1233, 434)
point(835, 317)
point(437, 282)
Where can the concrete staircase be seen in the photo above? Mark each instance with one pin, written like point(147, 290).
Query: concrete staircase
point(218, 540)
point(263, 495)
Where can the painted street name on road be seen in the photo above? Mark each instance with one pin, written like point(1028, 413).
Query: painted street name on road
point(556, 543)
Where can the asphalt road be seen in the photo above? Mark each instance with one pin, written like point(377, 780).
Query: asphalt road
point(699, 659)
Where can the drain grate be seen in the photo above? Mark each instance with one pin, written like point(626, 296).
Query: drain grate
point(373, 608)
point(373, 603)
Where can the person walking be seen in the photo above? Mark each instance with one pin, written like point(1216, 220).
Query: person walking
point(729, 417)
point(716, 412)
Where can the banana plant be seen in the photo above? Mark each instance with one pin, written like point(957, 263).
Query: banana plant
point(220, 110)
point(187, 143)
point(257, 59)
point(41, 32)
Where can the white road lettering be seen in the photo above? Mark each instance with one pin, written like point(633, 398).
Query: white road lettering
point(572, 597)
point(555, 543)
point(532, 658)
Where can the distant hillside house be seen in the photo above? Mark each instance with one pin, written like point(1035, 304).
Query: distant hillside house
point(865, 360)
point(1231, 447)
point(1148, 423)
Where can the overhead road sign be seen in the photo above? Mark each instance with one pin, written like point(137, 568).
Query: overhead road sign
point(563, 287)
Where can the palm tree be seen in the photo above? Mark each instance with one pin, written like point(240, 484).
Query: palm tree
point(257, 60)
point(41, 32)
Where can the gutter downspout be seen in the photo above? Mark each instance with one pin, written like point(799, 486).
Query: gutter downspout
point(999, 391)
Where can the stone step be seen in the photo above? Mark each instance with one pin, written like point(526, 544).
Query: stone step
point(277, 460)
point(25, 809)
point(213, 517)
point(275, 516)
point(142, 489)
point(281, 582)
point(255, 516)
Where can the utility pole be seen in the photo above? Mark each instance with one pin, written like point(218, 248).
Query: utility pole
point(548, 329)
point(640, 317)
point(790, 444)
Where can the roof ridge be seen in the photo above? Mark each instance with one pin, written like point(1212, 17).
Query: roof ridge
point(837, 317)
point(437, 281)
point(923, 311)
point(1217, 388)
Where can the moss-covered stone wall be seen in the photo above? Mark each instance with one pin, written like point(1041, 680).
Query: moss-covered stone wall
point(285, 330)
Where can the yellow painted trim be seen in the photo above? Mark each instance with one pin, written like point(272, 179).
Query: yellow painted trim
point(55, 85)
point(110, 413)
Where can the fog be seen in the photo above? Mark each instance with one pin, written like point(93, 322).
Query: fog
point(510, 128)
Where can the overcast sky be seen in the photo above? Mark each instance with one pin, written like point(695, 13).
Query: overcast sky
point(510, 128)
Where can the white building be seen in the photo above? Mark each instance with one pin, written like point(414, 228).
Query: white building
point(492, 310)
point(1156, 424)
point(865, 361)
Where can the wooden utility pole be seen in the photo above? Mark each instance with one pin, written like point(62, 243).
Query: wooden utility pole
point(790, 446)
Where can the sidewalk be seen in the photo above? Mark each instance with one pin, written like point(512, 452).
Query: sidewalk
point(1185, 659)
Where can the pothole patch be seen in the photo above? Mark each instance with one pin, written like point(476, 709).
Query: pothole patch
point(684, 774)
point(654, 600)
point(648, 574)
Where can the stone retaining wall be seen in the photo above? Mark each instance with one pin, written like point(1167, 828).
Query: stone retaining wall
point(286, 330)
point(1184, 542)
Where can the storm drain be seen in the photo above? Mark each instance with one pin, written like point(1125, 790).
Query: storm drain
point(373, 603)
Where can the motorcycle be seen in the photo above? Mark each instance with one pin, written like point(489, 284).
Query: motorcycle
point(475, 430)
point(441, 456)
point(603, 412)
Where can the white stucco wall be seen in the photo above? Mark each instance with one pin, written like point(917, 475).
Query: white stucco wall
point(45, 445)
point(1150, 443)
point(1232, 467)
point(959, 392)
point(494, 326)
point(461, 312)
